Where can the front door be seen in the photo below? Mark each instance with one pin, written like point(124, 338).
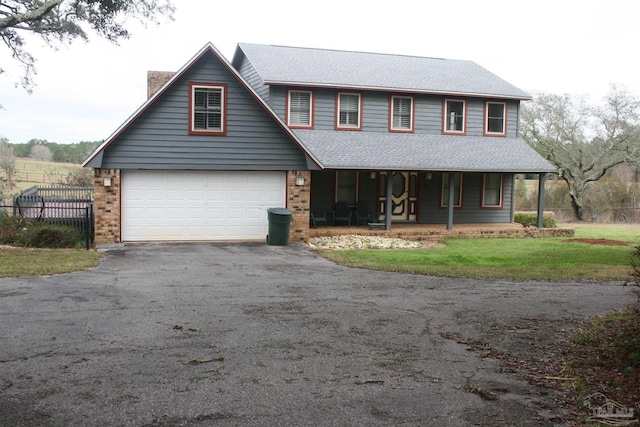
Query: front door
point(404, 195)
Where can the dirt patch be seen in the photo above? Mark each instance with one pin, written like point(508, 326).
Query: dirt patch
point(607, 242)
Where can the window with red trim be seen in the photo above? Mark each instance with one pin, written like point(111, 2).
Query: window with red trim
point(492, 191)
point(300, 108)
point(207, 103)
point(495, 118)
point(349, 111)
point(455, 116)
point(401, 114)
point(457, 190)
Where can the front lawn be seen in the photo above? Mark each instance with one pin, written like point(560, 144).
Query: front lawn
point(16, 262)
point(519, 259)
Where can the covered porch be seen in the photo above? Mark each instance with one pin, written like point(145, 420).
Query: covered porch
point(436, 232)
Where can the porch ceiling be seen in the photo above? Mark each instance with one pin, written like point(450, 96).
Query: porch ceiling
point(393, 151)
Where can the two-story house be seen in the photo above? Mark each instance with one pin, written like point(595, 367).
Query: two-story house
point(433, 141)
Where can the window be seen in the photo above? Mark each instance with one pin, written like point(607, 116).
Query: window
point(401, 114)
point(300, 109)
point(454, 116)
point(208, 103)
point(495, 118)
point(457, 190)
point(349, 111)
point(492, 190)
point(346, 185)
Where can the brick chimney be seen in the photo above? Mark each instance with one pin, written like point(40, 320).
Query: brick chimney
point(156, 79)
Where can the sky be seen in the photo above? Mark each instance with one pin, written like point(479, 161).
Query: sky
point(85, 91)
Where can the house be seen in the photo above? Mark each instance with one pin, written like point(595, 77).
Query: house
point(217, 143)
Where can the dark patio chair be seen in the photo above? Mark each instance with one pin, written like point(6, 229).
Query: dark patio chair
point(363, 214)
point(319, 217)
point(342, 213)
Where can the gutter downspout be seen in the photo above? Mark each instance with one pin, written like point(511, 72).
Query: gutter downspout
point(451, 197)
point(541, 180)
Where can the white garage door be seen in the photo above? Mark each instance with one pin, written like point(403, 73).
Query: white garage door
point(194, 205)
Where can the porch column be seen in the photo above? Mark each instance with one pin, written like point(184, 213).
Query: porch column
point(541, 180)
point(388, 208)
point(452, 183)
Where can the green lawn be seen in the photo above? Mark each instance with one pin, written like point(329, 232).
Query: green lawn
point(520, 259)
point(17, 262)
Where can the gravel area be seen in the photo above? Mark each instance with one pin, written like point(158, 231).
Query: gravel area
point(345, 242)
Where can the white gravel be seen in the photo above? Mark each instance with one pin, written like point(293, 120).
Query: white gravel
point(344, 242)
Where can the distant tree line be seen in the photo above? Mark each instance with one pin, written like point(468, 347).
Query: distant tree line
point(41, 149)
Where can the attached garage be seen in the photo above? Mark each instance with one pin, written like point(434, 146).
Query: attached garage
point(199, 205)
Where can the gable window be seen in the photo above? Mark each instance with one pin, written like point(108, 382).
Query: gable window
point(349, 111)
point(300, 109)
point(457, 190)
point(454, 116)
point(207, 105)
point(492, 190)
point(495, 118)
point(401, 114)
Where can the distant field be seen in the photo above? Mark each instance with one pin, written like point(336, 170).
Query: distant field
point(32, 172)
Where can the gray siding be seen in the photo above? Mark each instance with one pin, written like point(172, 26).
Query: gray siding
point(471, 212)
point(375, 114)
point(158, 138)
point(249, 73)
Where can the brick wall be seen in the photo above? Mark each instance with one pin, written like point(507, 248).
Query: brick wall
point(107, 206)
point(298, 202)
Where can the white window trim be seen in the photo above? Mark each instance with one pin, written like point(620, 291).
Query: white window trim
point(445, 117)
point(504, 119)
point(392, 115)
point(500, 192)
point(338, 110)
point(223, 103)
point(300, 125)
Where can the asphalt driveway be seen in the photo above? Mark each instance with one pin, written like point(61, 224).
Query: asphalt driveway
point(256, 335)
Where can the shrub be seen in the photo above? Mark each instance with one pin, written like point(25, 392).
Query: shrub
point(18, 231)
point(635, 266)
point(532, 219)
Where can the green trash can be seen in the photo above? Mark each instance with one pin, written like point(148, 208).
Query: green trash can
point(279, 223)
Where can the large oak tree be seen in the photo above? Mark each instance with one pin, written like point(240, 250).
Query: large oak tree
point(583, 141)
point(62, 21)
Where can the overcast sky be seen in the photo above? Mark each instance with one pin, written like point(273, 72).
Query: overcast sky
point(86, 90)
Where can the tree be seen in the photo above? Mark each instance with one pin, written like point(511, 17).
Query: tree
point(7, 168)
point(62, 21)
point(41, 153)
point(582, 141)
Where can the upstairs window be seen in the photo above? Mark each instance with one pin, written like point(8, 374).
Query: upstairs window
point(495, 118)
point(401, 114)
point(208, 104)
point(457, 190)
point(349, 110)
point(492, 191)
point(300, 109)
point(454, 120)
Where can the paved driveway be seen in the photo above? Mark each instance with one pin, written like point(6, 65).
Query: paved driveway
point(257, 335)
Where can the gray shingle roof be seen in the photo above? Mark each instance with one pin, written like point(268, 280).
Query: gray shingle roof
point(322, 67)
point(392, 151)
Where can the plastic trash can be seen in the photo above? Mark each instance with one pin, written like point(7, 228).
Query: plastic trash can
point(279, 224)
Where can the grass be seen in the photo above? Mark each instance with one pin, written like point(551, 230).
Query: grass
point(18, 262)
point(519, 259)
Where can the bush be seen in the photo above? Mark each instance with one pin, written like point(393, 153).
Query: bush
point(532, 219)
point(18, 231)
point(635, 265)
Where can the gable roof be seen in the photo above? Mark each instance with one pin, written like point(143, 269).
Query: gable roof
point(95, 158)
point(281, 65)
point(389, 151)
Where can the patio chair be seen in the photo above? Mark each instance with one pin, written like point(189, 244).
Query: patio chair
point(342, 213)
point(363, 214)
point(319, 217)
